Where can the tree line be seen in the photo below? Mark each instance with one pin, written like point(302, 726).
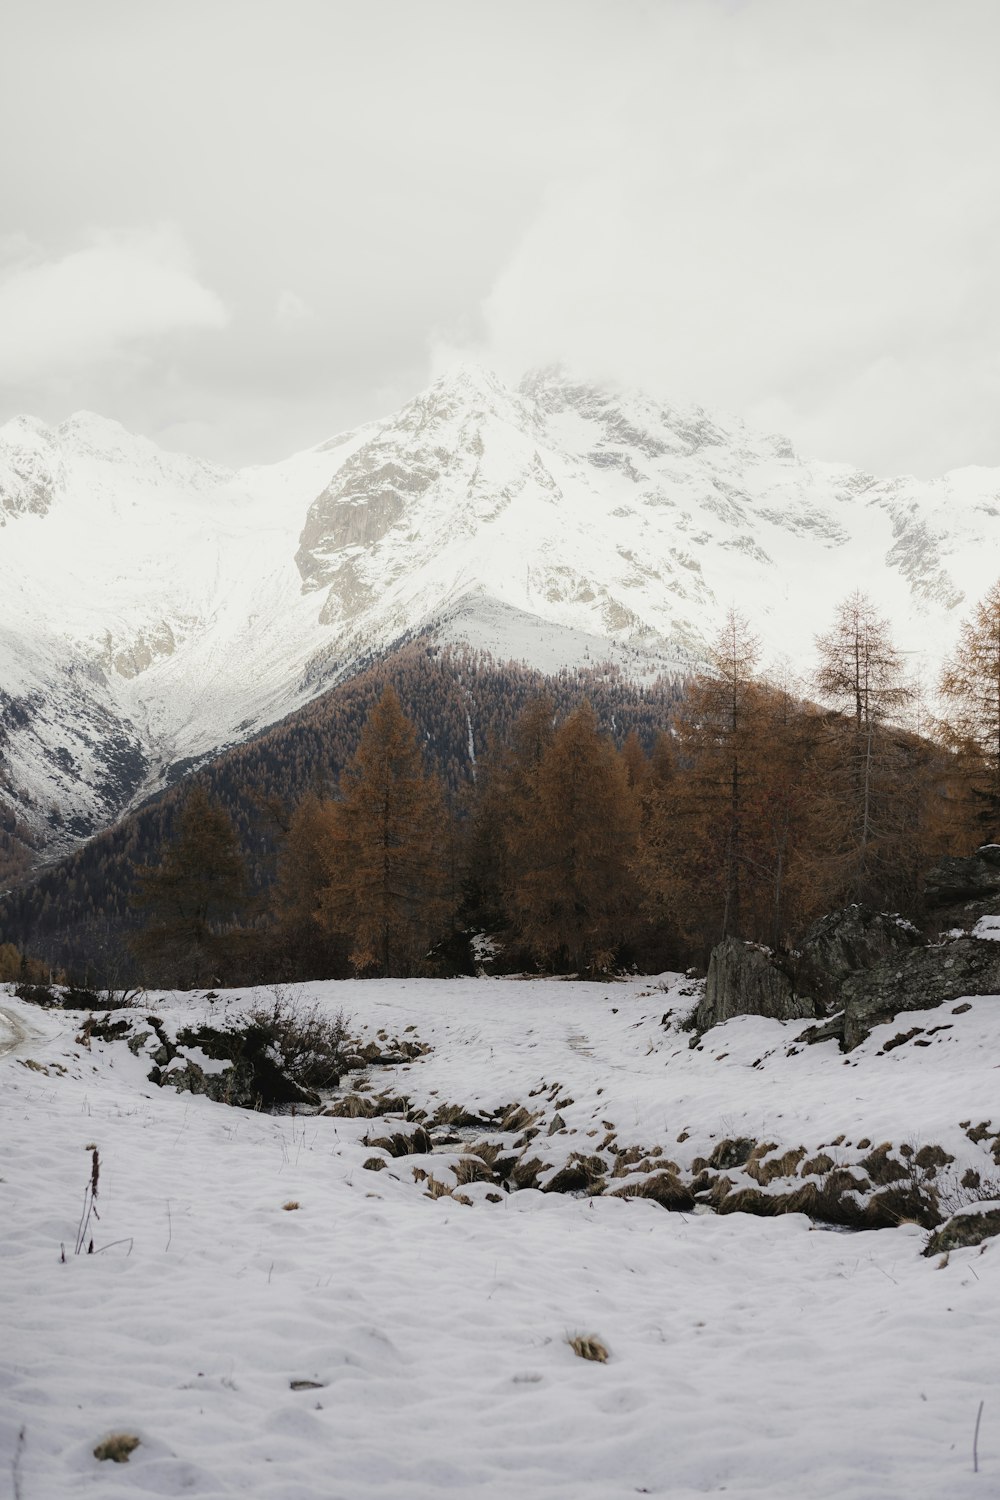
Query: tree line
point(752, 811)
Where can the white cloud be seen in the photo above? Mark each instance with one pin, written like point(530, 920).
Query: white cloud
point(97, 302)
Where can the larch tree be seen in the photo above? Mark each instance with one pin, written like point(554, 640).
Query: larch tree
point(387, 877)
point(303, 944)
point(863, 771)
point(191, 897)
point(696, 832)
point(970, 686)
point(571, 850)
point(502, 806)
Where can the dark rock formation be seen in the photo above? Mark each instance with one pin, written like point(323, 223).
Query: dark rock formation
point(918, 980)
point(953, 880)
point(843, 942)
point(746, 980)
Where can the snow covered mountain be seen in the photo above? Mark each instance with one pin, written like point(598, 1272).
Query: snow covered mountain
point(154, 608)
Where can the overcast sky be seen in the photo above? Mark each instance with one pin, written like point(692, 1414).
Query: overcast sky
point(240, 226)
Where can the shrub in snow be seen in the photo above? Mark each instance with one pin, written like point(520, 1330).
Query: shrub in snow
point(969, 1226)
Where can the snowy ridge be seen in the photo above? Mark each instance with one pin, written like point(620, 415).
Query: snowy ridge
point(156, 607)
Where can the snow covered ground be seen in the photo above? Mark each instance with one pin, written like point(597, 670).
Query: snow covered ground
point(373, 1341)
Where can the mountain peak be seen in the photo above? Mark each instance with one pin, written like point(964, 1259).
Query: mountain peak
point(469, 378)
point(101, 435)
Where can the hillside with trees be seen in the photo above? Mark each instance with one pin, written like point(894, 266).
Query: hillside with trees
point(586, 823)
point(80, 911)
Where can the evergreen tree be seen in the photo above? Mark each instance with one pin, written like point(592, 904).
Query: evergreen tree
point(192, 896)
point(386, 871)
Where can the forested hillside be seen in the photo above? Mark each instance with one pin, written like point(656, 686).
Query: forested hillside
point(586, 822)
point(77, 912)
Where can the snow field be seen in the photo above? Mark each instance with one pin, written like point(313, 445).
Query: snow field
point(751, 1357)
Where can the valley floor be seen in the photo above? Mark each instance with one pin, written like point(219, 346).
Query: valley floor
point(375, 1343)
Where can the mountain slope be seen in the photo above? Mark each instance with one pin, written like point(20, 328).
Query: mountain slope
point(155, 607)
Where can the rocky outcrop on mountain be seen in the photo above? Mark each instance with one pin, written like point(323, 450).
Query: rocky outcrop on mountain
point(31, 469)
point(746, 979)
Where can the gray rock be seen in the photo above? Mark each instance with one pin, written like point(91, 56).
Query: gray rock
point(843, 942)
point(918, 980)
point(976, 878)
point(746, 980)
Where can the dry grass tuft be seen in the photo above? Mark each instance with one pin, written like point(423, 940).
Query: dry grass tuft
point(352, 1107)
point(775, 1167)
point(472, 1169)
point(588, 1346)
point(117, 1447)
point(292, 1203)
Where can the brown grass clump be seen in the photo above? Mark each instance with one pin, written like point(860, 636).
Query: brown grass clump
point(628, 1160)
point(777, 1166)
point(818, 1166)
point(882, 1168)
point(735, 1152)
point(588, 1347)
point(353, 1107)
point(417, 1143)
point(929, 1158)
point(580, 1174)
point(438, 1189)
point(292, 1203)
point(117, 1447)
point(524, 1173)
point(487, 1151)
point(472, 1169)
point(664, 1188)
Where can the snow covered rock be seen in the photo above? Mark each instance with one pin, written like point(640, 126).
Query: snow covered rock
point(917, 980)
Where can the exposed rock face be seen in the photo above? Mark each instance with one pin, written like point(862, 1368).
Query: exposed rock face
point(870, 966)
point(845, 941)
point(745, 980)
point(917, 980)
point(976, 878)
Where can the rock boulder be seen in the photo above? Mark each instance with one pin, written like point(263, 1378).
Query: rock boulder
point(745, 979)
point(917, 980)
point(843, 942)
point(954, 880)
